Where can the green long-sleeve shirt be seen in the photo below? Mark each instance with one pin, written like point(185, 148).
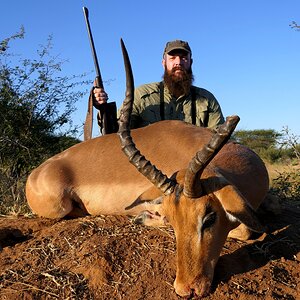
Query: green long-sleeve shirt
point(146, 107)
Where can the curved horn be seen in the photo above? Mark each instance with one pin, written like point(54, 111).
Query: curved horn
point(160, 180)
point(192, 185)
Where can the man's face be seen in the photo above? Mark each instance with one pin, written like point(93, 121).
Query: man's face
point(176, 61)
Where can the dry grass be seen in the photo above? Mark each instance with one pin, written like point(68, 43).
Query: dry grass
point(276, 169)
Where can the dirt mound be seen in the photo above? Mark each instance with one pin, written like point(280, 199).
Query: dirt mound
point(109, 257)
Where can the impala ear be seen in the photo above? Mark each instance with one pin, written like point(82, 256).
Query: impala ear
point(237, 208)
point(153, 196)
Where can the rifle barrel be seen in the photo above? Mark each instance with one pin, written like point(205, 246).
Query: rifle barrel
point(99, 81)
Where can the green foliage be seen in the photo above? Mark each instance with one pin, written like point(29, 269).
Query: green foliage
point(283, 148)
point(36, 104)
point(271, 154)
point(287, 185)
point(289, 143)
point(270, 145)
point(257, 139)
point(290, 182)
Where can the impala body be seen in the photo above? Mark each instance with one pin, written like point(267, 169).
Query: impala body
point(97, 176)
point(210, 187)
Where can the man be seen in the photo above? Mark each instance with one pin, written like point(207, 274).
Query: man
point(174, 98)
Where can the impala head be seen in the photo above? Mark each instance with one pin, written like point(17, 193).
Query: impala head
point(196, 222)
point(198, 202)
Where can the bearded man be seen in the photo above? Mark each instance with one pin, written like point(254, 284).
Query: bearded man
point(174, 98)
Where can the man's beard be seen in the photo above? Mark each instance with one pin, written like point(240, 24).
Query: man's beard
point(178, 85)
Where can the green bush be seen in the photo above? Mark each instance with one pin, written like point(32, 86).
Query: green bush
point(36, 105)
point(271, 154)
point(287, 183)
point(287, 186)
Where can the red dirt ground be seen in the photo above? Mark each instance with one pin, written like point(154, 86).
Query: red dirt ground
point(109, 257)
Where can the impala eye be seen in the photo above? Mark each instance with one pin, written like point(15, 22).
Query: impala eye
point(209, 220)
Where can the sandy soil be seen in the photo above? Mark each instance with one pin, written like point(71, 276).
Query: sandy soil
point(109, 257)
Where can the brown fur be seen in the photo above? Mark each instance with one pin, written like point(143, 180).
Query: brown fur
point(97, 174)
point(95, 177)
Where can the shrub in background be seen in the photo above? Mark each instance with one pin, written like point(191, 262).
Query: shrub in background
point(36, 104)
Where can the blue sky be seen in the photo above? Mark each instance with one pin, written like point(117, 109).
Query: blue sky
point(244, 51)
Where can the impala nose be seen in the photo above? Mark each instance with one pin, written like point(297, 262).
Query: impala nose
point(182, 290)
point(198, 288)
point(201, 289)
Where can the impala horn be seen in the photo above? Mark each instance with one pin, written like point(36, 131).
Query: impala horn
point(144, 166)
point(192, 184)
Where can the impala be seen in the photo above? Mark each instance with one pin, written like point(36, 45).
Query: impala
point(210, 187)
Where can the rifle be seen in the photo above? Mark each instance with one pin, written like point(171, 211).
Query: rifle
point(88, 125)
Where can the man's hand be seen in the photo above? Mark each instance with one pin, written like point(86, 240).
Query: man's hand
point(100, 97)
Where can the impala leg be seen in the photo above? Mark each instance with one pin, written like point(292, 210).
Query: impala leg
point(50, 193)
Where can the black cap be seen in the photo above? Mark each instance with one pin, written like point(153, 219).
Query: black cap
point(177, 45)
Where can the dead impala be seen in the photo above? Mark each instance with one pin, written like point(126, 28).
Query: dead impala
point(210, 188)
